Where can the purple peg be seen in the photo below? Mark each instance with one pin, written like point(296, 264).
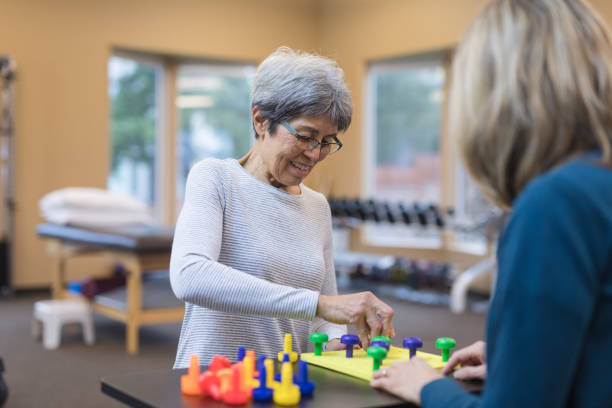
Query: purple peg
point(412, 343)
point(350, 340)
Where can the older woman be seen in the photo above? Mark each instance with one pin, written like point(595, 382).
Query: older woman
point(532, 104)
point(252, 253)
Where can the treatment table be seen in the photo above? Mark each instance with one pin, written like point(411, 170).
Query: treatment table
point(138, 249)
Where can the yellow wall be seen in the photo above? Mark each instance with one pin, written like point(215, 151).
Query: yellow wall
point(357, 31)
point(62, 48)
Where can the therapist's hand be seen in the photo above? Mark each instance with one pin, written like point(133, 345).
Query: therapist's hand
point(472, 361)
point(405, 379)
point(370, 315)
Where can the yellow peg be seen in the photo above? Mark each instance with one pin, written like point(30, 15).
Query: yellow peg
point(293, 356)
point(249, 370)
point(287, 393)
point(270, 383)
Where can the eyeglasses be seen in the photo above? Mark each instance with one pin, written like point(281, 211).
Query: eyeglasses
point(309, 143)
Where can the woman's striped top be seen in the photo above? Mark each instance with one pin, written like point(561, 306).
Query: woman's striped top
point(250, 261)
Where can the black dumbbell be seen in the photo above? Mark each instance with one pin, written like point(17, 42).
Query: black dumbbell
point(421, 214)
point(406, 217)
point(389, 212)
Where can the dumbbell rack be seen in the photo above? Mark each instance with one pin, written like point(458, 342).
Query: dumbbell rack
point(452, 270)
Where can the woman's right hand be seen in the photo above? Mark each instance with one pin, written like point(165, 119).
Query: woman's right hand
point(372, 316)
point(472, 360)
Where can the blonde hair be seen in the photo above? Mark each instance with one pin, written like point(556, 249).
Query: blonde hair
point(531, 88)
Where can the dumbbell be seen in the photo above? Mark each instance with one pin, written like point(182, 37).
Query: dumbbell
point(421, 214)
point(406, 217)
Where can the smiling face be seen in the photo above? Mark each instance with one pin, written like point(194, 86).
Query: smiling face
point(283, 162)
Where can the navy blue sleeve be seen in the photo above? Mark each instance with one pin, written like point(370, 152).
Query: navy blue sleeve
point(447, 393)
point(544, 300)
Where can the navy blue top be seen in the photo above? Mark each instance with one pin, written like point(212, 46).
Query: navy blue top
point(549, 329)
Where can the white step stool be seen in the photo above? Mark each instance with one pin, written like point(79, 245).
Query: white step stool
point(53, 314)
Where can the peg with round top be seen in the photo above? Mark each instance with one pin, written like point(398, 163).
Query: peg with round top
point(378, 354)
point(412, 344)
point(350, 340)
point(380, 343)
point(382, 338)
point(446, 344)
point(318, 339)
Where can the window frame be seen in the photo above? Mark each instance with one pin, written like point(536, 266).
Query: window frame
point(167, 162)
point(369, 154)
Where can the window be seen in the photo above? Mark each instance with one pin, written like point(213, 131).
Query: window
point(134, 93)
point(166, 115)
point(403, 159)
point(213, 103)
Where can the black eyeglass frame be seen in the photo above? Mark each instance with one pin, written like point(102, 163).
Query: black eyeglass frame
point(315, 143)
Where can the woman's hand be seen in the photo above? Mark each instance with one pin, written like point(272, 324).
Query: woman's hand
point(405, 379)
point(370, 315)
point(472, 360)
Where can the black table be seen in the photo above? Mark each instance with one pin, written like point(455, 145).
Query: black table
point(161, 389)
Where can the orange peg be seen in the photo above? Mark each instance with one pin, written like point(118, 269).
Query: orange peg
point(190, 382)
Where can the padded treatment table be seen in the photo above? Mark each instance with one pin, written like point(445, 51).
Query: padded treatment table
point(139, 249)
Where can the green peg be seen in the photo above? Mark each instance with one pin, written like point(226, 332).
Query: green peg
point(382, 338)
point(318, 339)
point(445, 343)
point(378, 354)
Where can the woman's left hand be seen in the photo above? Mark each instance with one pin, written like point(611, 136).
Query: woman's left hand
point(405, 379)
point(334, 344)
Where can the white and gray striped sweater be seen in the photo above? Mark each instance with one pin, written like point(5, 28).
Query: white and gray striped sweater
point(249, 260)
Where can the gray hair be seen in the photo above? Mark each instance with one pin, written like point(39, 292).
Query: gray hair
point(289, 83)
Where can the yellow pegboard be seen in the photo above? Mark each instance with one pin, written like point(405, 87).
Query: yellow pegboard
point(361, 364)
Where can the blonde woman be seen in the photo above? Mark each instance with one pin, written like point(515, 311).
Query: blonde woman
point(531, 102)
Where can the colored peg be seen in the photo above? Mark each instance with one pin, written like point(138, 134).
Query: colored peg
point(350, 340)
point(277, 376)
point(318, 339)
point(269, 377)
point(241, 353)
point(286, 393)
point(264, 392)
point(380, 343)
point(225, 379)
point(218, 363)
point(236, 395)
point(382, 338)
point(412, 344)
point(306, 387)
point(190, 382)
point(249, 370)
point(378, 354)
point(210, 385)
point(293, 356)
point(446, 344)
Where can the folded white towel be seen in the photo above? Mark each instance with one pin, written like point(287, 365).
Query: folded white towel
point(89, 197)
point(97, 218)
point(93, 207)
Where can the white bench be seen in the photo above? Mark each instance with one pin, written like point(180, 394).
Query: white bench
point(51, 315)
